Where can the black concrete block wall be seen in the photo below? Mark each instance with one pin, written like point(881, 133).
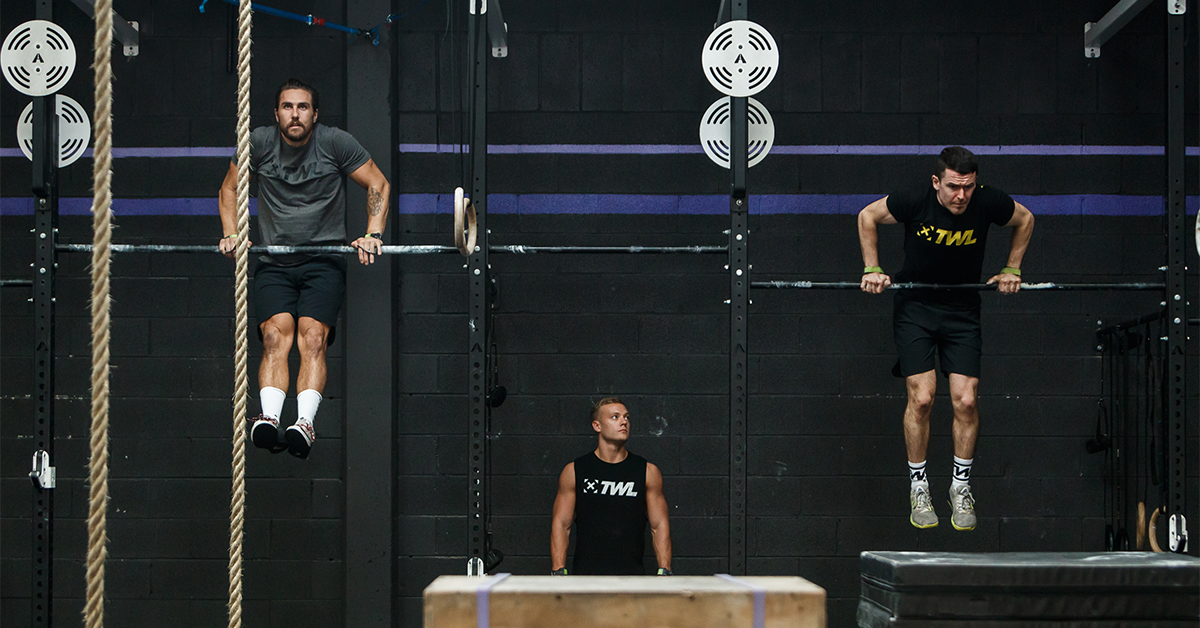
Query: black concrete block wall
point(826, 455)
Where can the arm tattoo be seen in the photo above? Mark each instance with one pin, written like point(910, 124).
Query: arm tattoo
point(374, 202)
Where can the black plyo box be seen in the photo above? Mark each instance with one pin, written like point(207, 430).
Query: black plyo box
point(947, 590)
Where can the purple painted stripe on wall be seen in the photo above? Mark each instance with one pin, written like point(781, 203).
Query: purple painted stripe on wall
point(533, 204)
point(82, 206)
point(853, 149)
point(150, 151)
point(670, 149)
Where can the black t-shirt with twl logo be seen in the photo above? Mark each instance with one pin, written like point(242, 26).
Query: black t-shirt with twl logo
point(610, 516)
point(940, 247)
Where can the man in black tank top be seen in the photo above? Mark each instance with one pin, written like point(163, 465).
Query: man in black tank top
point(610, 495)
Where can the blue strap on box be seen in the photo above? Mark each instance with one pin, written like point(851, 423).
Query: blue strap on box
point(760, 598)
point(483, 601)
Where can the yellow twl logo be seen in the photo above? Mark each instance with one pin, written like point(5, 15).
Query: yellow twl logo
point(947, 237)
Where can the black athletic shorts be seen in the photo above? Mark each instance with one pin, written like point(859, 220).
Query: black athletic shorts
point(314, 288)
point(920, 328)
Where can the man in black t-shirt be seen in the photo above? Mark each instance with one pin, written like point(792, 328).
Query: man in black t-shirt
point(945, 232)
point(610, 494)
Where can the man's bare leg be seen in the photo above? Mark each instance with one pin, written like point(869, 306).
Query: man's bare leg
point(964, 391)
point(921, 388)
point(312, 339)
point(278, 333)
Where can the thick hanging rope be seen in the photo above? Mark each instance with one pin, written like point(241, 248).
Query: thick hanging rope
point(93, 610)
point(237, 506)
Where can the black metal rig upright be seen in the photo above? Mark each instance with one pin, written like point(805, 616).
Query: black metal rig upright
point(45, 211)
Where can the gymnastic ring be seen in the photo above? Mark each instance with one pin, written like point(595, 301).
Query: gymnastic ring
point(466, 228)
point(1141, 527)
point(1153, 533)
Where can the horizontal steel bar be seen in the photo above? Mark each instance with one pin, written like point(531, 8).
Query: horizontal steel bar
point(854, 285)
point(1136, 322)
point(15, 283)
point(522, 249)
point(392, 249)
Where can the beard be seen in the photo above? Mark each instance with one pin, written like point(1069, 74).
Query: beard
point(298, 133)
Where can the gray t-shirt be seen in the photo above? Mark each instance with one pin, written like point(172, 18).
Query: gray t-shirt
point(302, 190)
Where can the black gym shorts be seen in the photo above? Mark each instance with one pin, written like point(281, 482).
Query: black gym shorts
point(920, 328)
point(314, 288)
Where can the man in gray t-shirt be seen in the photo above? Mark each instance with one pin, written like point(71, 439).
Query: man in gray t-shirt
point(301, 168)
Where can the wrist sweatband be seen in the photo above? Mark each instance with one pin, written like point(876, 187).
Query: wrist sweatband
point(1011, 271)
point(872, 269)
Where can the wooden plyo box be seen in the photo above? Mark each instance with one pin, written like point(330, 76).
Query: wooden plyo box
point(620, 601)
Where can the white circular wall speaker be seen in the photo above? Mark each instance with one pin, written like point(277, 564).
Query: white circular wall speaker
point(74, 130)
point(715, 130)
point(740, 58)
point(38, 58)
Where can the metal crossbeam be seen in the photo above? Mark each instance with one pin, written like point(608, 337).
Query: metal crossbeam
point(497, 29)
point(126, 31)
point(1095, 34)
point(523, 249)
point(388, 249)
point(404, 249)
point(854, 285)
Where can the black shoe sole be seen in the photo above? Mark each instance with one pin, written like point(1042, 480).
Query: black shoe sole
point(266, 436)
point(297, 445)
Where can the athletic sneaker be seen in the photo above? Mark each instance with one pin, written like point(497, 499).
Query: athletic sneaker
point(264, 432)
point(922, 515)
point(300, 438)
point(963, 517)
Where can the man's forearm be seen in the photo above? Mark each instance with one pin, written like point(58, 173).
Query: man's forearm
point(559, 537)
point(868, 239)
point(377, 207)
point(1020, 242)
point(227, 205)
point(661, 537)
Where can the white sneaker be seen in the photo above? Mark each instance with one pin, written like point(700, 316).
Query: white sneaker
point(300, 438)
point(963, 517)
point(922, 515)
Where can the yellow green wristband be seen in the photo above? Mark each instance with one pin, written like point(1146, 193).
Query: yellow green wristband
point(232, 235)
point(872, 269)
point(1010, 271)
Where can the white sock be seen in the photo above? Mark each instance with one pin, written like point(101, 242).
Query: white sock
point(307, 402)
point(271, 399)
point(962, 472)
point(916, 475)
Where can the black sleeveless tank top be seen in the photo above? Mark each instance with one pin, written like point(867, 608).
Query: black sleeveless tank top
point(610, 516)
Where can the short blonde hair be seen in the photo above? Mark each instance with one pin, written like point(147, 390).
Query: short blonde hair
point(604, 402)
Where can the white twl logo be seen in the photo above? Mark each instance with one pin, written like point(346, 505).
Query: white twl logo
point(609, 488)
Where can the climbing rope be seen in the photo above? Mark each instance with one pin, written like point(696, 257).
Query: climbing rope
point(93, 610)
point(237, 506)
